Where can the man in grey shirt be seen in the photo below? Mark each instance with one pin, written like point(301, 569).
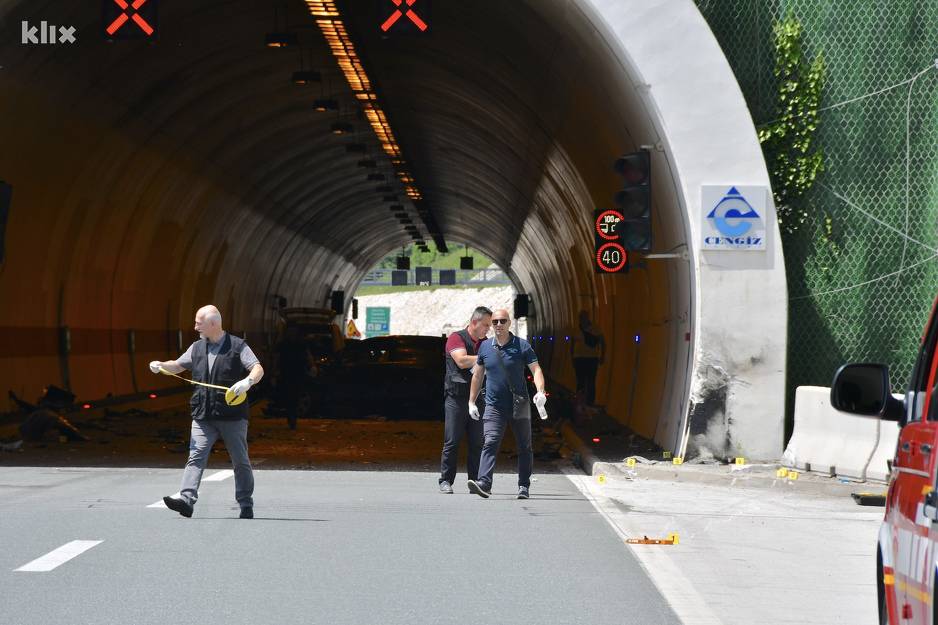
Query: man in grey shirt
point(220, 359)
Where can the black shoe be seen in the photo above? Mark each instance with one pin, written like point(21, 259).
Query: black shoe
point(181, 506)
point(477, 489)
point(246, 513)
point(446, 488)
point(523, 492)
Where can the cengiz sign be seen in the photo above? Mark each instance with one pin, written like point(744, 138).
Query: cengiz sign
point(733, 217)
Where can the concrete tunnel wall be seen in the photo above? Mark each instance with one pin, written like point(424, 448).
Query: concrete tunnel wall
point(147, 184)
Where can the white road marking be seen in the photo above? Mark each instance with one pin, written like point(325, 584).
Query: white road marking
point(59, 556)
point(160, 504)
point(218, 477)
point(677, 590)
point(215, 477)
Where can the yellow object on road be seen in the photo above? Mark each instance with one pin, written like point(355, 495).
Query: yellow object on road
point(230, 398)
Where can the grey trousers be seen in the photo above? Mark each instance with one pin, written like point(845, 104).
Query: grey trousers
point(494, 423)
point(204, 434)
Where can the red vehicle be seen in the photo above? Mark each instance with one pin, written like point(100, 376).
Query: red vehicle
point(906, 573)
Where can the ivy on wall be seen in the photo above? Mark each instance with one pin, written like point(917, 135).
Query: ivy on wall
point(788, 143)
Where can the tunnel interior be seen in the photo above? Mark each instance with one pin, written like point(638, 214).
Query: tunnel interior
point(151, 177)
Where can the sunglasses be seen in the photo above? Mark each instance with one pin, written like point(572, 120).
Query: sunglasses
point(499, 321)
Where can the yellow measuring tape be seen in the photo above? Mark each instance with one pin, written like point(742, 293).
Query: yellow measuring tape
point(230, 398)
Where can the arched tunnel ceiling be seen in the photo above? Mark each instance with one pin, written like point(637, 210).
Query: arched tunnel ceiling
point(476, 112)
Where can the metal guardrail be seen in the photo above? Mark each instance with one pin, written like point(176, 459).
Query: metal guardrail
point(474, 277)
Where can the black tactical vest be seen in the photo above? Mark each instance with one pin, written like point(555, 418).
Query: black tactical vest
point(456, 381)
point(209, 403)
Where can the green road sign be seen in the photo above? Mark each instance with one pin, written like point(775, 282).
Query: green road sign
point(377, 321)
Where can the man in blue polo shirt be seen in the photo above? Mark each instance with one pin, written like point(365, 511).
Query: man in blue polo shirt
point(501, 361)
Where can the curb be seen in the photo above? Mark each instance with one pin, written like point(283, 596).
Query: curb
point(715, 475)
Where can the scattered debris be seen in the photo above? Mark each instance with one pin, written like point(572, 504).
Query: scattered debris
point(639, 460)
point(40, 421)
point(870, 499)
point(15, 445)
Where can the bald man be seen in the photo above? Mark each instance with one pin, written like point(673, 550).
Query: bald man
point(501, 362)
point(223, 360)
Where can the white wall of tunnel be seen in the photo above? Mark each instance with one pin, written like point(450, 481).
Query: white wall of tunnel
point(725, 315)
point(511, 119)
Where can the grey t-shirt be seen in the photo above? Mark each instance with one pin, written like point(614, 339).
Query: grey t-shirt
point(248, 359)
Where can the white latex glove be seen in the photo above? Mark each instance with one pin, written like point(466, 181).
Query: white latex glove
point(155, 366)
point(540, 399)
point(474, 411)
point(241, 386)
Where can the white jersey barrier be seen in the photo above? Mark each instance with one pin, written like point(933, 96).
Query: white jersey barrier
point(838, 443)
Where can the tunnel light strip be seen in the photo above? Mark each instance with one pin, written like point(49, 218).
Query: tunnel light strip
point(328, 18)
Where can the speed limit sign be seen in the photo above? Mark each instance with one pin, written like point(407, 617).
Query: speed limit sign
point(611, 255)
point(611, 258)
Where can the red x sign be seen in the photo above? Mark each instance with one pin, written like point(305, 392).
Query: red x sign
point(403, 12)
point(123, 18)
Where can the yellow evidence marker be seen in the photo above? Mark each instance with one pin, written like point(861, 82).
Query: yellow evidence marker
point(740, 461)
point(677, 460)
point(630, 462)
point(783, 472)
point(601, 478)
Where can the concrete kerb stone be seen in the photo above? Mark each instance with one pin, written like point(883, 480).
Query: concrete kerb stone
point(746, 476)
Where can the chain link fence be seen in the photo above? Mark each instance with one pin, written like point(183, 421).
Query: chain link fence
point(863, 269)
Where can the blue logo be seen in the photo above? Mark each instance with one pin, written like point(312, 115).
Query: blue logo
point(733, 216)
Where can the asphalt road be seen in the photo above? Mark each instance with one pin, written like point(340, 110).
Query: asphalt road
point(326, 547)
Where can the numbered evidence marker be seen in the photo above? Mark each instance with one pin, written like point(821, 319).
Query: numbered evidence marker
point(674, 538)
point(793, 475)
point(740, 461)
point(678, 460)
point(601, 478)
point(782, 473)
point(630, 462)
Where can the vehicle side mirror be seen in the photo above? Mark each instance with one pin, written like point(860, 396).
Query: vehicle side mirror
point(863, 389)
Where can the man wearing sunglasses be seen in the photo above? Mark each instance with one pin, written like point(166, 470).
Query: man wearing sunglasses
point(501, 362)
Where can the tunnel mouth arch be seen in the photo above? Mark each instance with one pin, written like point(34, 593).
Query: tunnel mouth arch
point(240, 194)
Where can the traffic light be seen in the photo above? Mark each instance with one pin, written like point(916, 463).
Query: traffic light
point(338, 302)
point(634, 200)
point(521, 305)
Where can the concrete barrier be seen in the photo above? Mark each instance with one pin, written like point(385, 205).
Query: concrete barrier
point(878, 468)
point(838, 443)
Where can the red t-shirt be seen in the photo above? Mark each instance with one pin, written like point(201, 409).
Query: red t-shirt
point(455, 342)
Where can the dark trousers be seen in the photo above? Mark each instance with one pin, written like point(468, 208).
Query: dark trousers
point(458, 423)
point(585, 370)
point(493, 430)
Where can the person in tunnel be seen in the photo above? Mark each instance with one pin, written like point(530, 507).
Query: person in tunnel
point(460, 356)
point(221, 359)
point(501, 362)
point(292, 372)
point(588, 350)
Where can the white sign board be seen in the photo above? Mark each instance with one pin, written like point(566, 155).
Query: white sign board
point(733, 217)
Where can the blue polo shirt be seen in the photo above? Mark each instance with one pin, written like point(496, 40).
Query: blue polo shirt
point(517, 354)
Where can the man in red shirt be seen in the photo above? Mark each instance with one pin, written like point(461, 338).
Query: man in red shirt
point(460, 358)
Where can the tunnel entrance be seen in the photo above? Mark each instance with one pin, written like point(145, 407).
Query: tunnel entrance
point(275, 154)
